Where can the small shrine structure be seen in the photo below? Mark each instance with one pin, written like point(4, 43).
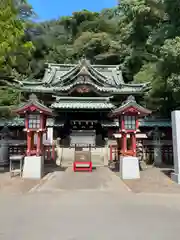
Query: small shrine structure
point(35, 114)
point(128, 115)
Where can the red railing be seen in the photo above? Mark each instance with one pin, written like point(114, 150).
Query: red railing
point(49, 153)
point(113, 152)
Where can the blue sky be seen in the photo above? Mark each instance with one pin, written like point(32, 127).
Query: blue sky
point(51, 9)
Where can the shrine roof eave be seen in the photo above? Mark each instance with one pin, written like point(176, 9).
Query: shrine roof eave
point(102, 83)
point(69, 98)
point(79, 105)
point(125, 107)
point(26, 107)
point(20, 122)
point(51, 90)
point(33, 104)
point(37, 83)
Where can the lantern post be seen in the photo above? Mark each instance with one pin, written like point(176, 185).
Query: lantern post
point(128, 128)
point(129, 114)
point(35, 114)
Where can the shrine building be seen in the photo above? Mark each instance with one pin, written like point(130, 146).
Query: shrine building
point(82, 96)
point(89, 104)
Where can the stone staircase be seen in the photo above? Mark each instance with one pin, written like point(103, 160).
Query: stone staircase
point(65, 156)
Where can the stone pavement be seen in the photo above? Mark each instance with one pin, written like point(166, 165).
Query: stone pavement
point(88, 206)
point(89, 215)
point(101, 179)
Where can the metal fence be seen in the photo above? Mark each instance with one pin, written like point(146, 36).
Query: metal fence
point(20, 149)
point(148, 152)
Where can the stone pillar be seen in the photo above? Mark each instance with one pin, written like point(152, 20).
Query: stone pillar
point(50, 135)
point(157, 148)
point(175, 117)
point(157, 154)
point(59, 152)
point(106, 149)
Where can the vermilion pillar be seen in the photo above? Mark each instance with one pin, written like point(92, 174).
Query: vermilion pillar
point(133, 141)
point(124, 143)
point(29, 143)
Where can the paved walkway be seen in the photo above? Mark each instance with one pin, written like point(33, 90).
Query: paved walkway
point(89, 215)
point(101, 179)
point(88, 206)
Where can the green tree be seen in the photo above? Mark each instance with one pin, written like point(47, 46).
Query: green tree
point(140, 35)
point(13, 47)
point(11, 36)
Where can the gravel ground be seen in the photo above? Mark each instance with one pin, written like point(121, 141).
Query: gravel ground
point(18, 185)
point(154, 180)
point(15, 185)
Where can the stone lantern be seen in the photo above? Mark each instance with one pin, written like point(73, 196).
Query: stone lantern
point(4, 147)
point(128, 115)
point(35, 114)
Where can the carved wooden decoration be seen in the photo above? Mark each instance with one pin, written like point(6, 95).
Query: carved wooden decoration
point(131, 110)
point(83, 89)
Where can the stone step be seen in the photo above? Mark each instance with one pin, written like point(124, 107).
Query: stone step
point(66, 156)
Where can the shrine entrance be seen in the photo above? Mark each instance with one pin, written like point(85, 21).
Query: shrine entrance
point(79, 132)
point(82, 134)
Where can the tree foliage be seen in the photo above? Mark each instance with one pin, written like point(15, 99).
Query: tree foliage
point(142, 36)
point(13, 47)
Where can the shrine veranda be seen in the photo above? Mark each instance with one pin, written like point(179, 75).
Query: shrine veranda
point(88, 102)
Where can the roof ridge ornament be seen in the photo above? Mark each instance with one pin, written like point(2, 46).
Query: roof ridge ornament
point(83, 70)
point(84, 61)
point(130, 98)
point(33, 97)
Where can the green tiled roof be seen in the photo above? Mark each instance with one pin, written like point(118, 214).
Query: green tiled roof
point(62, 78)
point(123, 89)
point(14, 122)
point(19, 122)
point(82, 103)
point(154, 123)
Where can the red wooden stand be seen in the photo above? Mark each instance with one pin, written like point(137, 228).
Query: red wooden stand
point(82, 166)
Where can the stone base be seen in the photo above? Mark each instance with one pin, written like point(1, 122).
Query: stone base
point(129, 168)
point(175, 177)
point(33, 167)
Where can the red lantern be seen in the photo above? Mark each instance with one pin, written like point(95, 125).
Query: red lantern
point(128, 114)
point(35, 114)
